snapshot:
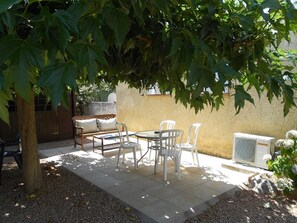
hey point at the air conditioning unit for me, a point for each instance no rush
(250, 149)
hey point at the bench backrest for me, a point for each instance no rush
(84, 117)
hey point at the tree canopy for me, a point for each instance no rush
(191, 48)
(186, 46)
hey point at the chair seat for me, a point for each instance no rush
(125, 143)
(130, 144)
(186, 146)
(191, 143)
(170, 141)
(11, 153)
(17, 155)
(165, 152)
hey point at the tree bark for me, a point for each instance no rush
(31, 165)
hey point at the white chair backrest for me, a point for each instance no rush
(122, 128)
(170, 141)
(167, 124)
(193, 134)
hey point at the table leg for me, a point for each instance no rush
(144, 153)
(156, 161)
(102, 146)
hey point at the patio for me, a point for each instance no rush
(195, 190)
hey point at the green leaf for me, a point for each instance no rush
(266, 16)
(5, 4)
(240, 97)
(271, 4)
(288, 99)
(247, 21)
(67, 20)
(2, 81)
(80, 8)
(200, 76)
(118, 21)
(58, 27)
(91, 25)
(253, 81)
(137, 6)
(55, 79)
(8, 47)
(259, 47)
(181, 54)
(161, 4)
(89, 56)
(274, 87)
(9, 21)
(4, 98)
(176, 47)
(23, 57)
(21, 77)
(224, 69)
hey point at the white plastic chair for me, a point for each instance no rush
(125, 143)
(191, 143)
(167, 124)
(164, 125)
(170, 144)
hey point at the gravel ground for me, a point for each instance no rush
(66, 197)
(249, 206)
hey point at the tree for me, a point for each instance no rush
(185, 46)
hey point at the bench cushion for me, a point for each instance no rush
(89, 125)
(108, 124)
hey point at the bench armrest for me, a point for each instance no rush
(79, 130)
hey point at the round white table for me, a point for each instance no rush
(150, 135)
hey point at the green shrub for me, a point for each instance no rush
(284, 164)
(91, 93)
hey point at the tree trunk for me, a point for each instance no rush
(31, 164)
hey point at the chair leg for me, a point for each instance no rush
(18, 159)
(179, 156)
(150, 153)
(177, 165)
(155, 167)
(156, 161)
(193, 159)
(196, 150)
(165, 168)
(148, 146)
(124, 153)
(134, 155)
(119, 153)
(175, 159)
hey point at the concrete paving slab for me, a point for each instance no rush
(183, 196)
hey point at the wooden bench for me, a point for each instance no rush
(88, 126)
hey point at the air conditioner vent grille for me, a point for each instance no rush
(245, 149)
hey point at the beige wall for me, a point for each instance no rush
(216, 133)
